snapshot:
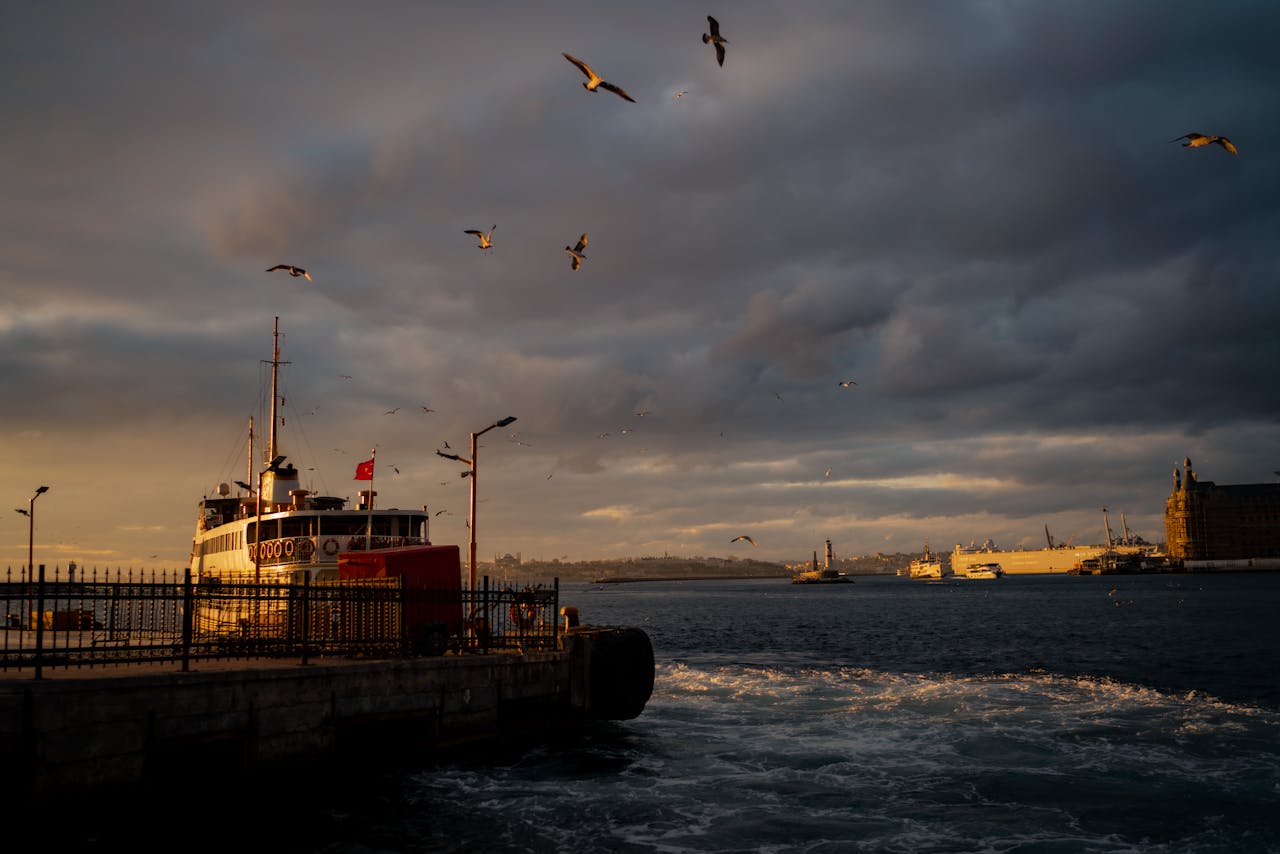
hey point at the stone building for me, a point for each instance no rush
(1232, 526)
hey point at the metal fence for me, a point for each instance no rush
(166, 617)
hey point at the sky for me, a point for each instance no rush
(972, 210)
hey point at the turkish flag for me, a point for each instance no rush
(364, 470)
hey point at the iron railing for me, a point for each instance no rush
(167, 617)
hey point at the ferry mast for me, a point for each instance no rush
(275, 382)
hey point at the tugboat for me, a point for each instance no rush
(273, 530)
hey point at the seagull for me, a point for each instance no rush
(344, 376)
(779, 397)
(828, 474)
(716, 39)
(743, 537)
(576, 251)
(1195, 140)
(427, 409)
(486, 239)
(292, 270)
(20, 510)
(438, 512)
(392, 411)
(846, 383)
(641, 413)
(680, 94)
(594, 81)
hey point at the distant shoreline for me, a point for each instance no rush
(631, 579)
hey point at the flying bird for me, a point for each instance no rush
(743, 537)
(595, 81)
(392, 411)
(427, 409)
(292, 270)
(21, 510)
(576, 252)
(486, 238)
(438, 512)
(846, 383)
(344, 376)
(680, 94)
(715, 38)
(1195, 140)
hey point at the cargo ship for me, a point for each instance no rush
(1059, 559)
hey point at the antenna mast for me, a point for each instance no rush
(249, 467)
(275, 382)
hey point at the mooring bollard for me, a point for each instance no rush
(570, 614)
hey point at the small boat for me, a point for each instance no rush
(928, 565)
(982, 570)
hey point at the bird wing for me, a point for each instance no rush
(1227, 144)
(582, 66)
(715, 26)
(582, 243)
(308, 275)
(476, 232)
(1188, 136)
(575, 263)
(719, 54)
(617, 90)
(278, 267)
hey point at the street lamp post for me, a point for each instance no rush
(31, 541)
(471, 472)
(31, 531)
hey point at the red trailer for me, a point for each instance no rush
(433, 586)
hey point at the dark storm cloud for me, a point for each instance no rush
(970, 208)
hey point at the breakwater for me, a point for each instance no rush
(92, 733)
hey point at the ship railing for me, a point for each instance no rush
(126, 618)
(305, 550)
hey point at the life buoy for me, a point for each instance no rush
(288, 548)
(305, 547)
(524, 610)
(277, 549)
(330, 547)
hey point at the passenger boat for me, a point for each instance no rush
(981, 570)
(929, 565)
(272, 529)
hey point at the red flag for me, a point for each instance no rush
(364, 470)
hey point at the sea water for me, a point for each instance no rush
(1021, 714)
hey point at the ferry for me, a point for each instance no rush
(929, 565)
(273, 530)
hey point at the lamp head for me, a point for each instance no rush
(274, 465)
(504, 422)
